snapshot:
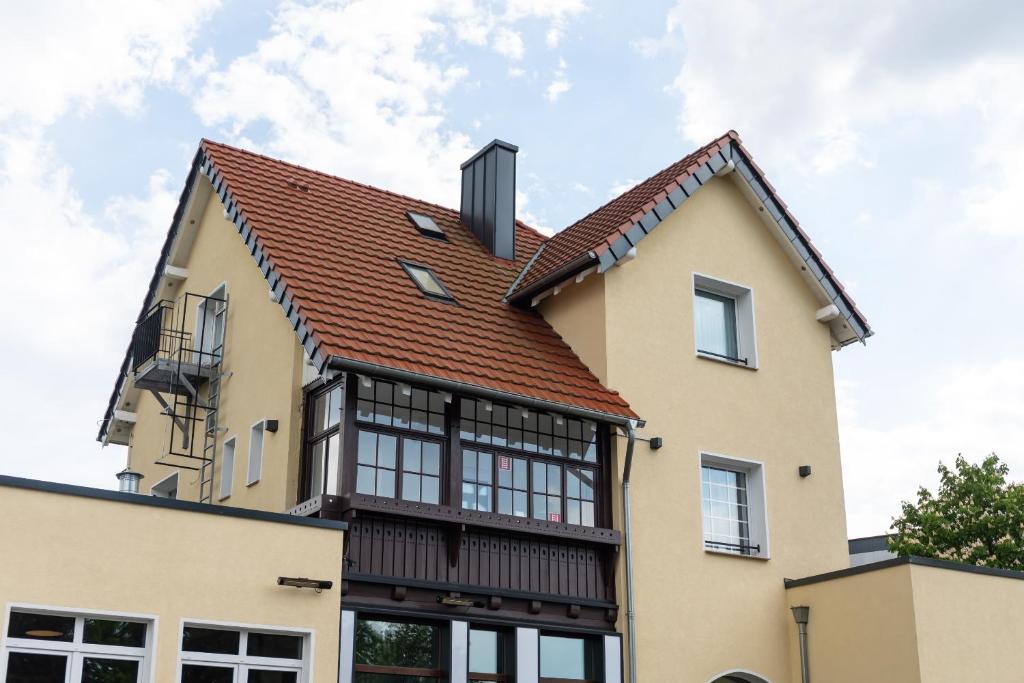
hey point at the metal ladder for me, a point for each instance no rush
(211, 428)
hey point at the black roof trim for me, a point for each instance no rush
(906, 559)
(183, 505)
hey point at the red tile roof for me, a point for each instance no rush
(596, 231)
(337, 246)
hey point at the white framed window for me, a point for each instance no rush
(229, 653)
(166, 487)
(73, 646)
(227, 468)
(210, 324)
(733, 511)
(723, 320)
(256, 433)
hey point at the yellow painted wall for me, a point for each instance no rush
(715, 612)
(82, 553)
(862, 628)
(969, 626)
(913, 624)
(265, 360)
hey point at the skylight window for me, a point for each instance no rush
(428, 283)
(426, 225)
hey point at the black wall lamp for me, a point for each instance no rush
(804, 470)
(271, 426)
(317, 585)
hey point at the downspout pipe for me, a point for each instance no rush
(802, 615)
(627, 523)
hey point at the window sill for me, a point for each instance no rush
(251, 483)
(713, 551)
(726, 361)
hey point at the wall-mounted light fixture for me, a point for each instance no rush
(804, 470)
(459, 601)
(271, 426)
(317, 585)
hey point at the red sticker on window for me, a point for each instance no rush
(555, 517)
(504, 462)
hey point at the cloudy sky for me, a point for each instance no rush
(894, 131)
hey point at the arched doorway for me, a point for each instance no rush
(738, 676)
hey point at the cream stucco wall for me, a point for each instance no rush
(82, 553)
(861, 628)
(715, 612)
(265, 362)
(913, 624)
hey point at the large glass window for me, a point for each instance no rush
(564, 658)
(716, 324)
(490, 655)
(215, 654)
(401, 406)
(382, 457)
(543, 465)
(324, 408)
(46, 647)
(397, 652)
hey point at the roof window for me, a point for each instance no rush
(428, 283)
(426, 225)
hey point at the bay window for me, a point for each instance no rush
(324, 409)
(544, 466)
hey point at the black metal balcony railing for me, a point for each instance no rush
(156, 336)
(165, 331)
(739, 548)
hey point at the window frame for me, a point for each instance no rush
(77, 650)
(409, 266)
(757, 503)
(742, 297)
(241, 663)
(260, 427)
(506, 653)
(233, 441)
(598, 466)
(311, 438)
(400, 434)
(439, 674)
(593, 652)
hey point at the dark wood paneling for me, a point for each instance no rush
(417, 549)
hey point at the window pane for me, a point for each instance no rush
(410, 486)
(563, 658)
(430, 490)
(387, 446)
(366, 482)
(431, 458)
(333, 457)
(484, 654)
(41, 627)
(29, 668)
(268, 676)
(198, 673)
(484, 468)
(468, 496)
(411, 449)
(274, 645)
(391, 643)
(484, 499)
(469, 461)
(367, 447)
(386, 483)
(316, 475)
(97, 670)
(213, 640)
(716, 323)
(123, 633)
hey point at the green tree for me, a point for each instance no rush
(977, 517)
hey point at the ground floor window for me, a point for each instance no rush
(732, 506)
(491, 653)
(45, 646)
(569, 658)
(398, 652)
(222, 654)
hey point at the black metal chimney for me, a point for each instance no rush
(489, 197)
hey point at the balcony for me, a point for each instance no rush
(175, 348)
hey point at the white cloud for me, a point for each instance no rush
(78, 280)
(806, 80)
(580, 187)
(516, 72)
(560, 83)
(972, 409)
(508, 43)
(64, 54)
(361, 92)
(553, 37)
